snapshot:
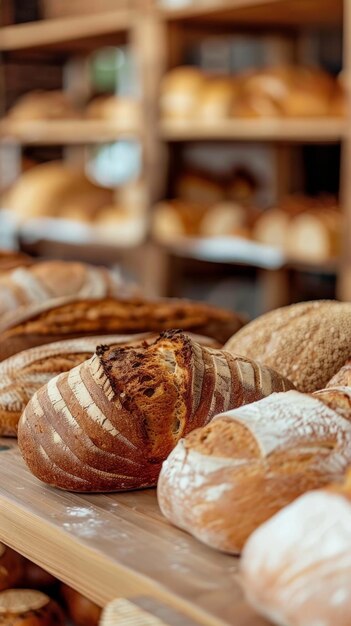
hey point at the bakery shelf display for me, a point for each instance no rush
(65, 132)
(117, 545)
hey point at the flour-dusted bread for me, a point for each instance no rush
(296, 568)
(224, 480)
(67, 318)
(11, 568)
(55, 279)
(27, 607)
(306, 342)
(24, 373)
(109, 423)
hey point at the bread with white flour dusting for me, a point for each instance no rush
(224, 480)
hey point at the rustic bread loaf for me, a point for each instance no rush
(10, 259)
(54, 279)
(43, 105)
(306, 342)
(24, 373)
(82, 612)
(27, 607)
(109, 423)
(226, 479)
(296, 568)
(68, 318)
(11, 568)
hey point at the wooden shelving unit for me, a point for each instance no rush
(313, 130)
(118, 545)
(66, 132)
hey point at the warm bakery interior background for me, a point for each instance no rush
(227, 179)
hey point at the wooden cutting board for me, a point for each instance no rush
(117, 546)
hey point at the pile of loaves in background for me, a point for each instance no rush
(30, 596)
(55, 190)
(188, 94)
(249, 443)
(304, 229)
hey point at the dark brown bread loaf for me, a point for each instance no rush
(82, 612)
(11, 568)
(24, 373)
(109, 423)
(68, 318)
(224, 480)
(306, 342)
(27, 607)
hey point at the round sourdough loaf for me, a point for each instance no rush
(296, 568)
(306, 342)
(224, 480)
(11, 567)
(27, 607)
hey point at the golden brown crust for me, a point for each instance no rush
(109, 423)
(83, 612)
(306, 342)
(342, 378)
(24, 607)
(69, 318)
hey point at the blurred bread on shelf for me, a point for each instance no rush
(315, 236)
(272, 227)
(215, 99)
(118, 225)
(199, 187)
(180, 93)
(114, 109)
(43, 105)
(174, 219)
(224, 218)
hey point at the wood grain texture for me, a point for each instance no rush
(109, 546)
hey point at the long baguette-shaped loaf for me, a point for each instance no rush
(224, 480)
(109, 423)
(55, 279)
(68, 318)
(24, 373)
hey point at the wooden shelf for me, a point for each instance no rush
(59, 33)
(265, 12)
(117, 545)
(63, 132)
(323, 130)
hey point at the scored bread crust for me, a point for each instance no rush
(306, 342)
(224, 480)
(109, 423)
(68, 318)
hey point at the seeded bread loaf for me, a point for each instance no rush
(224, 480)
(55, 279)
(306, 342)
(109, 423)
(68, 318)
(27, 607)
(296, 568)
(24, 373)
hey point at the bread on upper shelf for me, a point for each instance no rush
(43, 105)
(307, 342)
(28, 607)
(134, 403)
(224, 480)
(113, 108)
(296, 568)
(48, 280)
(24, 373)
(179, 93)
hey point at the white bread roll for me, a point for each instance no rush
(180, 93)
(224, 480)
(223, 219)
(118, 226)
(216, 100)
(43, 105)
(315, 237)
(272, 228)
(296, 568)
(167, 223)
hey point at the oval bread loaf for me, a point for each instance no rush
(296, 568)
(109, 423)
(306, 342)
(68, 318)
(222, 481)
(24, 373)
